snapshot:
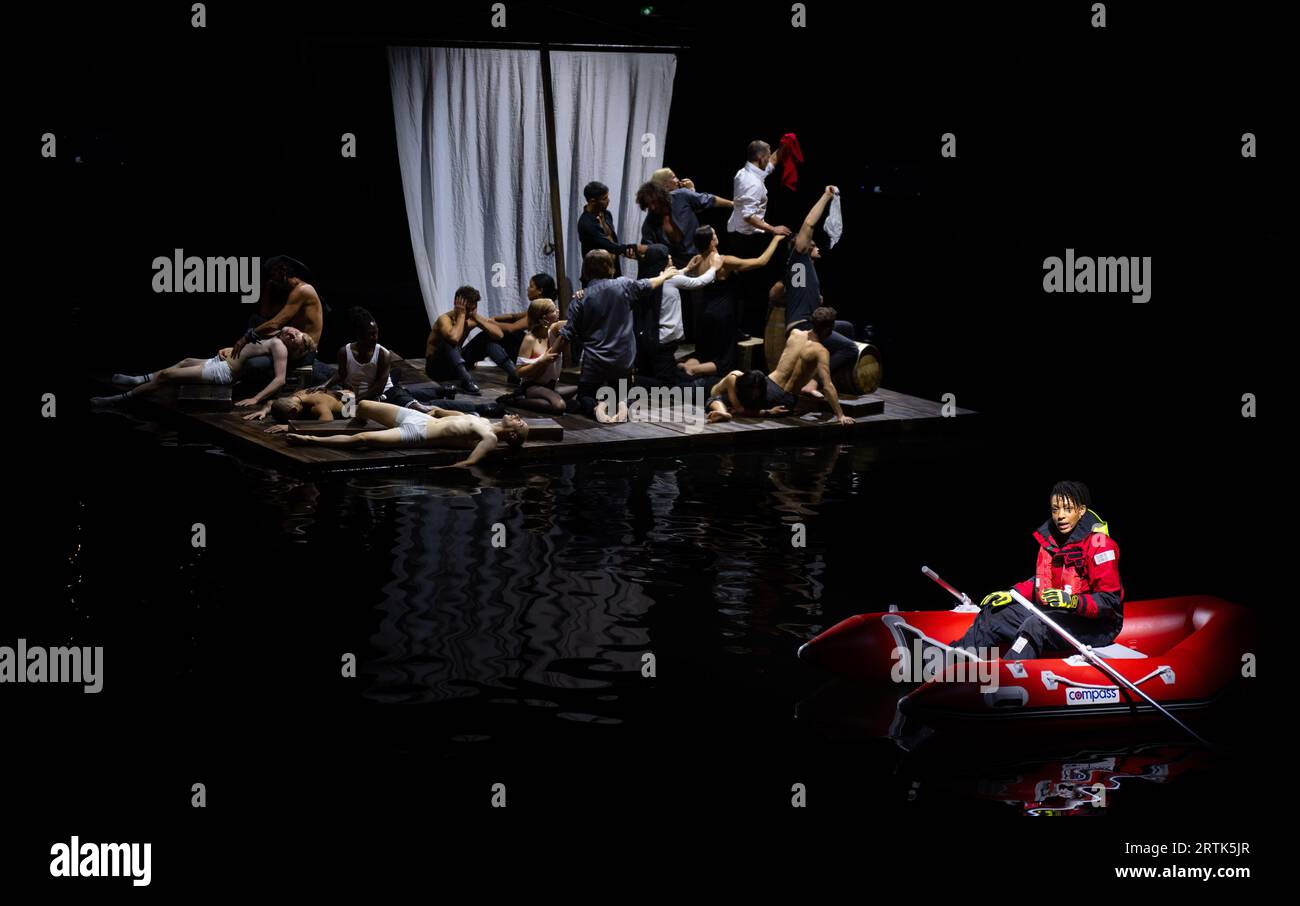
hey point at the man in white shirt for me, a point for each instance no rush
(749, 197)
(659, 325)
(748, 233)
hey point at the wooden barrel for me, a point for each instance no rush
(774, 335)
(862, 375)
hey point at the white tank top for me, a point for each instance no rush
(360, 377)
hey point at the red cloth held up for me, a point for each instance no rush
(790, 161)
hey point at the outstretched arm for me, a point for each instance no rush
(803, 241)
(481, 449)
(749, 264)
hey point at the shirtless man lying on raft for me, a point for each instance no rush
(803, 368)
(405, 427)
(322, 405)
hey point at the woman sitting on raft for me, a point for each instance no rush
(288, 344)
(538, 365)
(715, 347)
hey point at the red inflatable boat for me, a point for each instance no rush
(1183, 652)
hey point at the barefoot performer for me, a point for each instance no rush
(406, 427)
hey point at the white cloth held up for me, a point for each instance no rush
(834, 221)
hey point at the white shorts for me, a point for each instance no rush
(216, 370)
(413, 426)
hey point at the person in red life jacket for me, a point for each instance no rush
(1076, 582)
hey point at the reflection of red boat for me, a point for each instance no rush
(1183, 652)
(1083, 784)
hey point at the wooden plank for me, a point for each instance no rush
(861, 406)
(205, 397)
(544, 429)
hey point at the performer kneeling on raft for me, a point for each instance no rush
(440, 428)
(1076, 582)
(804, 366)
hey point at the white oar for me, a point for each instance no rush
(1100, 663)
(960, 596)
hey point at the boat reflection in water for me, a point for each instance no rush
(1038, 771)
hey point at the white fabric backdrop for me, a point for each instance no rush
(604, 104)
(471, 142)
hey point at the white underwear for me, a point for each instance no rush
(413, 426)
(216, 370)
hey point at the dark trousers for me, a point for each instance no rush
(401, 396)
(999, 627)
(258, 370)
(449, 363)
(751, 286)
(590, 383)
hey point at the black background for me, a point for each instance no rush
(225, 140)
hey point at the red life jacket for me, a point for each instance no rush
(1086, 564)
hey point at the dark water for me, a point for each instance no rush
(524, 662)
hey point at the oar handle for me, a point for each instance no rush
(960, 596)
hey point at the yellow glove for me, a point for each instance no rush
(996, 599)
(1055, 597)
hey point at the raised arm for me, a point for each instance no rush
(803, 241)
(490, 327)
(450, 326)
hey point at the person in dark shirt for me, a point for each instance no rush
(596, 228)
(600, 317)
(672, 218)
(800, 288)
